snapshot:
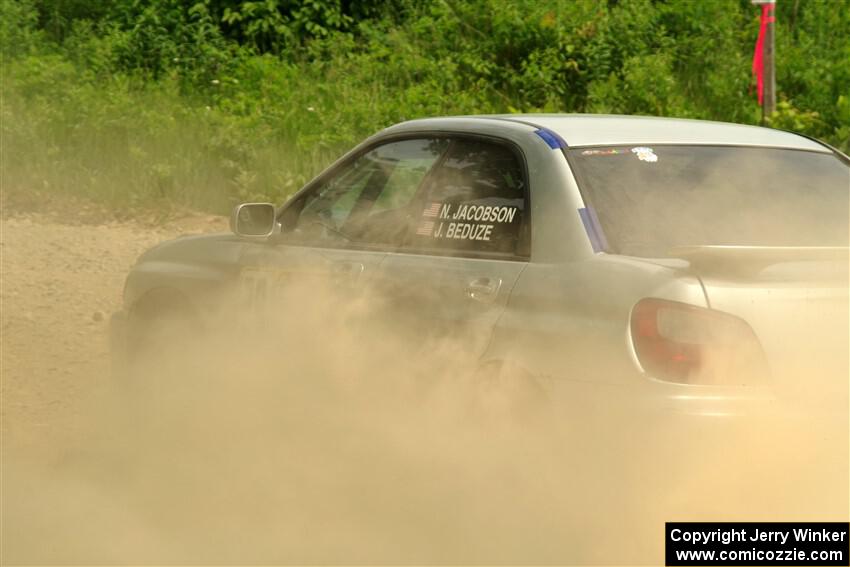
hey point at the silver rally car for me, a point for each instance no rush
(696, 266)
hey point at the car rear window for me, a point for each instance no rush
(649, 199)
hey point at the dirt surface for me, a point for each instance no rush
(297, 450)
(61, 281)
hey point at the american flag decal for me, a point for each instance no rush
(425, 229)
(432, 211)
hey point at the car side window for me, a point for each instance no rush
(369, 200)
(473, 202)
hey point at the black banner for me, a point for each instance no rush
(757, 543)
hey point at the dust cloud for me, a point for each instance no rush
(315, 433)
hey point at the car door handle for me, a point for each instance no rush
(483, 289)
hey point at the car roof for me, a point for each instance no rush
(610, 130)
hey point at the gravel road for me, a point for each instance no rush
(295, 456)
(61, 281)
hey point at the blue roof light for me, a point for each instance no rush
(551, 138)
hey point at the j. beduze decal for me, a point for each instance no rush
(483, 218)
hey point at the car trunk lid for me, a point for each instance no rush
(796, 301)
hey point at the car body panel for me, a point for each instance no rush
(196, 267)
(800, 312)
(447, 298)
(271, 273)
(568, 323)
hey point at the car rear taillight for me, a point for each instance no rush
(682, 343)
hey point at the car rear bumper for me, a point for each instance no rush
(647, 400)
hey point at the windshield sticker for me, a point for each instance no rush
(426, 228)
(475, 215)
(611, 152)
(432, 211)
(645, 154)
(484, 213)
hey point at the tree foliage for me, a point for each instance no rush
(274, 88)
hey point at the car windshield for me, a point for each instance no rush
(651, 198)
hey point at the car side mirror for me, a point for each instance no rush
(253, 219)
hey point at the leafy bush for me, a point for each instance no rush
(18, 33)
(202, 104)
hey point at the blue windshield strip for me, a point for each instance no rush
(597, 227)
(594, 231)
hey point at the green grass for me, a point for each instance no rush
(128, 116)
(115, 143)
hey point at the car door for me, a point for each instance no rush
(467, 243)
(336, 232)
